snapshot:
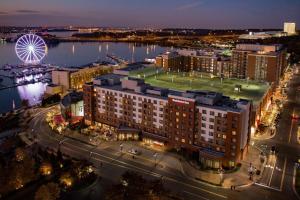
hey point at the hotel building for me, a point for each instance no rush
(208, 125)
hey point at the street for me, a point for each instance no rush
(278, 172)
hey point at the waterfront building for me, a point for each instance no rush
(208, 125)
(65, 79)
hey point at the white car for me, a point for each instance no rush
(133, 151)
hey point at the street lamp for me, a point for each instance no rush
(155, 158)
(221, 171)
(121, 148)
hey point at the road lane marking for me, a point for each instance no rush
(272, 171)
(283, 174)
(272, 188)
(195, 195)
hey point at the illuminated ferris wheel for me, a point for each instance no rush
(31, 49)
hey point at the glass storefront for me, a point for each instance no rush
(151, 142)
(215, 164)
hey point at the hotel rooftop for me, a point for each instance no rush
(137, 86)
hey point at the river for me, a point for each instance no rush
(67, 55)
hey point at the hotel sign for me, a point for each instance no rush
(180, 101)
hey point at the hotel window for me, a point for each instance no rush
(203, 111)
(177, 120)
(204, 118)
(211, 112)
(211, 134)
(211, 127)
(234, 125)
(203, 125)
(177, 113)
(184, 115)
(211, 119)
(233, 132)
(224, 136)
(183, 140)
(233, 140)
(134, 97)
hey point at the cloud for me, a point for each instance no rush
(27, 11)
(190, 5)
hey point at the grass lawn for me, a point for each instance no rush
(184, 81)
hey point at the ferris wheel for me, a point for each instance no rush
(31, 49)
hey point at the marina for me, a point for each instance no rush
(20, 81)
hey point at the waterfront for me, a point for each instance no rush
(67, 55)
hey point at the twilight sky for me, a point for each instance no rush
(151, 13)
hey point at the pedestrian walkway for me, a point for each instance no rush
(239, 178)
(264, 136)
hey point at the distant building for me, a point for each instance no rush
(289, 28)
(73, 78)
(262, 35)
(206, 124)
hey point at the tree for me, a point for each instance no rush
(50, 191)
(20, 154)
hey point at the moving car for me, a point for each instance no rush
(134, 151)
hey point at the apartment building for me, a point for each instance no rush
(192, 60)
(206, 124)
(259, 62)
(256, 62)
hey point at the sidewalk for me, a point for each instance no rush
(265, 136)
(240, 178)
